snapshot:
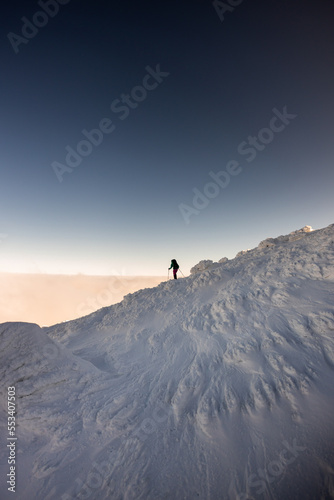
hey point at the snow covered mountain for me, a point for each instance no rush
(215, 386)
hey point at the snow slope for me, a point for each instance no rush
(215, 386)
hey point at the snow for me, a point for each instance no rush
(201, 266)
(214, 386)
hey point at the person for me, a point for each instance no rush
(175, 267)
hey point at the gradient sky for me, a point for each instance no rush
(118, 212)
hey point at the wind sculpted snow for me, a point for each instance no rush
(215, 386)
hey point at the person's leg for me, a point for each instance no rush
(174, 273)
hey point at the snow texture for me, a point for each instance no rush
(201, 266)
(215, 386)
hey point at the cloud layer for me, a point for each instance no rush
(50, 299)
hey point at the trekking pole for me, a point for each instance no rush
(181, 273)
(168, 273)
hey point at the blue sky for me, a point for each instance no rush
(118, 211)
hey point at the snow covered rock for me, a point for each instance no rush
(268, 243)
(294, 236)
(201, 266)
(242, 252)
(305, 229)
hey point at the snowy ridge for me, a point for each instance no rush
(267, 243)
(189, 389)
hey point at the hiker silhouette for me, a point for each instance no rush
(175, 267)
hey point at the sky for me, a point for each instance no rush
(137, 132)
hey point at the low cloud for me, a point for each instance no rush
(50, 299)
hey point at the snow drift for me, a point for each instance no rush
(215, 386)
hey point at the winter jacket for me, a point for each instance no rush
(174, 264)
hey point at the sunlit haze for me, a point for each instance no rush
(51, 299)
